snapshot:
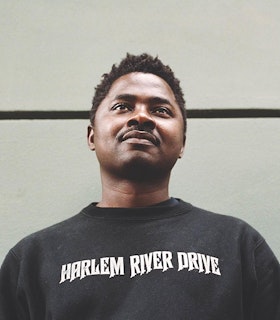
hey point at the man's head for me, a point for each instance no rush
(138, 120)
(138, 63)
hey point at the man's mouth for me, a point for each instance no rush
(136, 135)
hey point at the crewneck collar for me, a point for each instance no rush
(165, 209)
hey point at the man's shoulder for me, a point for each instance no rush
(54, 233)
(226, 224)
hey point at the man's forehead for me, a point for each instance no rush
(140, 83)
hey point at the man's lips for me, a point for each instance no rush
(140, 135)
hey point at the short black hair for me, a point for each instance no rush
(138, 63)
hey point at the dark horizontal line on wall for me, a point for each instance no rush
(43, 115)
(192, 113)
(234, 113)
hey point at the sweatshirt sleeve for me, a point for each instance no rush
(267, 269)
(10, 300)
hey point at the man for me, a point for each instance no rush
(139, 253)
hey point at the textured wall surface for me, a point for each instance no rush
(52, 55)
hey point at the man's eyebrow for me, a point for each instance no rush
(152, 100)
(159, 100)
(126, 96)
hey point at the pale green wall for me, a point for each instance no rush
(52, 55)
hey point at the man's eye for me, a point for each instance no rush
(162, 111)
(122, 107)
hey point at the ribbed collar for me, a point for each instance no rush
(169, 208)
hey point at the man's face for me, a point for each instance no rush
(138, 127)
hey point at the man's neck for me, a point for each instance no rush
(131, 194)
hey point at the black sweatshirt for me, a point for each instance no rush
(171, 261)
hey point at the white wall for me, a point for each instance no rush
(226, 54)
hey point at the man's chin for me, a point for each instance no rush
(142, 169)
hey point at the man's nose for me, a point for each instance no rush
(143, 118)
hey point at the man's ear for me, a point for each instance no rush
(182, 148)
(181, 152)
(90, 137)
